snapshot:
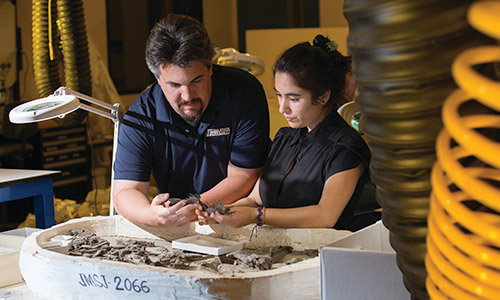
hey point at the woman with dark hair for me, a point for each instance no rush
(317, 167)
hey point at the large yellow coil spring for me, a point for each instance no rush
(463, 241)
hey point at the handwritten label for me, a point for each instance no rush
(118, 283)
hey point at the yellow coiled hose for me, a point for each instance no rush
(463, 241)
(62, 23)
(402, 53)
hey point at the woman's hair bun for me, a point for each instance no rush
(321, 41)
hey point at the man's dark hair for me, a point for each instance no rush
(178, 39)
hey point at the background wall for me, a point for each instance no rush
(331, 14)
(221, 20)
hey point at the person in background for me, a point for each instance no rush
(350, 89)
(316, 168)
(200, 129)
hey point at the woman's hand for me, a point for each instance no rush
(238, 216)
(203, 217)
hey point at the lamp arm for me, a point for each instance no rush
(116, 113)
(67, 91)
(97, 111)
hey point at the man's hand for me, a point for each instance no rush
(175, 215)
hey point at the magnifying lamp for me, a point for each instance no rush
(64, 101)
(232, 57)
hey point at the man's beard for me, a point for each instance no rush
(192, 117)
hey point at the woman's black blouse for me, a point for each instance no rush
(331, 147)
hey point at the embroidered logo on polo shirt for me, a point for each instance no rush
(218, 132)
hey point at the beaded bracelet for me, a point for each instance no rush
(259, 220)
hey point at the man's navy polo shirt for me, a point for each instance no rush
(185, 159)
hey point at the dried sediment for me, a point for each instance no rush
(159, 253)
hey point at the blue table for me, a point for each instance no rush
(20, 183)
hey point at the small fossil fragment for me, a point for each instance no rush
(190, 199)
(218, 207)
(195, 198)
